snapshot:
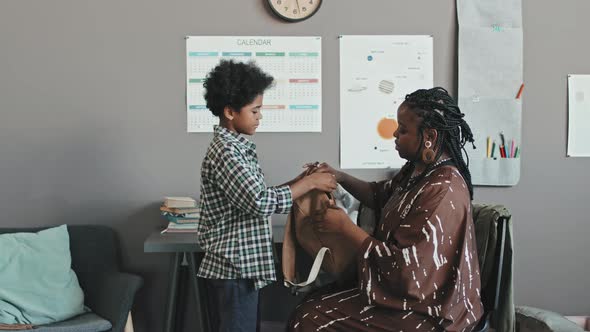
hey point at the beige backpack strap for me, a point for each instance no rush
(289, 252)
(305, 206)
(313, 273)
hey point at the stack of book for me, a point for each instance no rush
(181, 213)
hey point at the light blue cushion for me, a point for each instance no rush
(38, 283)
(84, 323)
(88, 322)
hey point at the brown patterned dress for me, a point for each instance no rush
(419, 272)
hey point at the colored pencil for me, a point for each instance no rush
(493, 148)
(520, 91)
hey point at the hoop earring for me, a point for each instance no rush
(428, 153)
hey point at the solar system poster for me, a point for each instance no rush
(376, 73)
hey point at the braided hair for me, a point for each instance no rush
(438, 110)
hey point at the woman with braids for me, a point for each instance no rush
(419, 270)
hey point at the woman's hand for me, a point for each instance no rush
(326, 168)
(330, 219)
(306, 182)
(308, 169)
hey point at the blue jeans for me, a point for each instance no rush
(232, 304)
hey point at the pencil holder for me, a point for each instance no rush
(495, 171)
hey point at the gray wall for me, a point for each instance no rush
(92, 122)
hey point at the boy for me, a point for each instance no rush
(236, 203)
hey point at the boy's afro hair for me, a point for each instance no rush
(234, 84)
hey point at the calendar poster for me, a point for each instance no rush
(376, 73)
(292, 104)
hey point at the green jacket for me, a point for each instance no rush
(486, 219)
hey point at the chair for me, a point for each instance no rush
(495, 259)
(494, 247)
(107, 291)
(530, 319)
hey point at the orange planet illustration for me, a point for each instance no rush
(386, 127)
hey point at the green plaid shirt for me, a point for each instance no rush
(235, 209)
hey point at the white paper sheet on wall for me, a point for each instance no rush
(578, 133)
(490, 87)
(376, 73)
(292, 104)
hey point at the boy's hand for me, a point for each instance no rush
(308, 169)
(322, 181)
(311, 167)
(300, 176)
